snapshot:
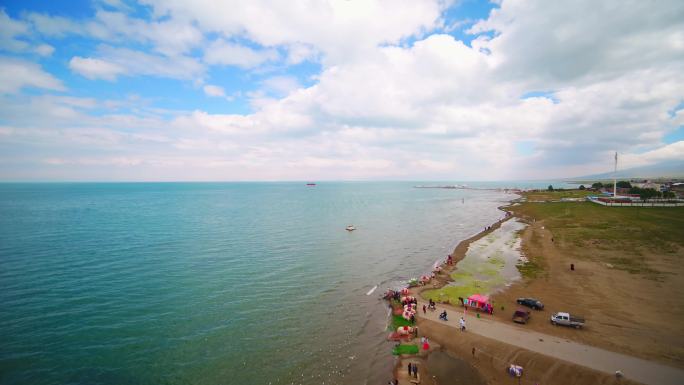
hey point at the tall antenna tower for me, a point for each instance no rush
(615, 178)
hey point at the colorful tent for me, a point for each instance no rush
(477, 300)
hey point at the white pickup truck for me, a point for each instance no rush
(566, 319)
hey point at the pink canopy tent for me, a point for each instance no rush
(478, 300)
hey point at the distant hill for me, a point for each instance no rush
(671, 169)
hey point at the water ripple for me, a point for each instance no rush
(197, 283)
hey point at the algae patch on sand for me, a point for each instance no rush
(398, 321)
(405, 349)
(449, 294)
(489, 264)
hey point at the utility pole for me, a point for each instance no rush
(615, 178)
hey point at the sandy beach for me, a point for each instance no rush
(629, 312)
(638, 335)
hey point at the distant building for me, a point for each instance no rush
(620, 191)
(649, 184)
(678, 188)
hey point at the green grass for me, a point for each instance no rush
(488, 272)
(452, 293)
(545, 195)
(405, 349)
(586, 230)
(398, 321)
(461, 276)
(497, 261)
(531, 269)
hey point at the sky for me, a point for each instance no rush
(208, 90)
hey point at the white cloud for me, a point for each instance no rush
(116, 4)
(221, 52)
(10, 31)
(16, 74)
(434, 108)
(112, 62)
(55, 26)
(17, 36)
(215, 91)
(281, 85)
(555, 43)
(169, 37)
(670, 152)
(341, 29)
(45, 50)
(297, 53)
(95, 68)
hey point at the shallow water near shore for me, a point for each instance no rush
(206, 283)
(489, 265)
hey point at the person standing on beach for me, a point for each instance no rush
(409, 369)
(424, 309)
(462, 323)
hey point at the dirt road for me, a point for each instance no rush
(636, 369)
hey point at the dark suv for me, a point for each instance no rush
(531, 302)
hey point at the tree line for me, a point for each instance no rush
(644, 193)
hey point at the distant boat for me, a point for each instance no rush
(311, 184)
(350, 228)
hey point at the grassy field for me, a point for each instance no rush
(470, 278)
(621, 236)
(405, 349)
(545, 195)
(398, 321)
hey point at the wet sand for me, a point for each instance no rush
(492, 357)
(625, 312)
(564, 350)
(446, 369)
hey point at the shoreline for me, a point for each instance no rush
(444, 277)
(491, 356)
(440, 280)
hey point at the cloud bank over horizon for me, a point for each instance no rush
(338, 90)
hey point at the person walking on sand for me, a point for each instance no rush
(409, 369)
(424, 309)
(462, 323)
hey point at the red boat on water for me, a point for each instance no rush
(311, 184)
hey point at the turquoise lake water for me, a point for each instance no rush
(214, 283)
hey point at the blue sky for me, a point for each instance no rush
(463, 90)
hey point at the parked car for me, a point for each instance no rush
(566, 319)
(521, 316)
(531, 302)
